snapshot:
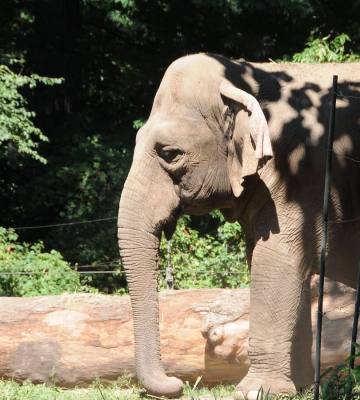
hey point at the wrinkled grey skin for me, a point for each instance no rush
(205, 147)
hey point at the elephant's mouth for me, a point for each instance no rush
(199, 208)
(170, 224)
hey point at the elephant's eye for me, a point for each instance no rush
(171, 155)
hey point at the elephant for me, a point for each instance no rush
(248, 139)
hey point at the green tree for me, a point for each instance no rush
(18, 133)
(112, 54)
(206, 260)
(320, 50)
(27, 270)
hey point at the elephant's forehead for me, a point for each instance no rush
(189, 88)
(178, 127)
(182, 130)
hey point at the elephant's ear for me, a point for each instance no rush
(243, 162)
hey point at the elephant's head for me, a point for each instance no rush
(203, 136)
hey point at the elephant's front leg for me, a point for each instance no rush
(280, 321)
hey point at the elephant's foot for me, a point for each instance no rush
(251, 387)
(162, 385)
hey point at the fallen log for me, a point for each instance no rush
(70, 340)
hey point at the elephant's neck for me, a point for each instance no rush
(245, 208)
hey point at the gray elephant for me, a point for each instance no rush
(248, 139)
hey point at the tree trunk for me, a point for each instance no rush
(73, 339)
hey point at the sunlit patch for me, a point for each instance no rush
(310, 117)
(311, 122)
(295, 157)
(336, 205)
(342, 146)
(287, 112)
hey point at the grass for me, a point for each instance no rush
(124, 389)
(10, 390)
(121, 390)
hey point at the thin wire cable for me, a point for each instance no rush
(347, 157)
(196, 271)
(113, 263)
(343, 221)
(90, 221)
(79, 272)
(340, 95)
(119, 272)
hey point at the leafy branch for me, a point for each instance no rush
(18, 132)
(321, 50)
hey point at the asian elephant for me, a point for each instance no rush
(248, 139)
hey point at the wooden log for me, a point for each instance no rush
(73, 339)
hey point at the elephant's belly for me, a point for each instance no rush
(343, 259)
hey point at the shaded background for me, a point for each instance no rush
(111, 55)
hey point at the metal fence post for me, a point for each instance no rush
(355, 323)
(169, 277)
(324, 236)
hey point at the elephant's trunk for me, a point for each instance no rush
(142, 215)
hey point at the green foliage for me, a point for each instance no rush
(90, 188)
(199, 261)
(320, 50)
(120, 13)
(17, 130)
(341, 382)
(124, 389)
(26, 270)
(197, 391)
(112, 55)
(11, 390)
(138, 123)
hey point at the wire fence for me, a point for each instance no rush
(170, 268)
(324, 241)
(70, 223)
(162, 270)
(168, 272)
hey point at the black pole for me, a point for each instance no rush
(169, 269)
(324, 236)
(355, 323)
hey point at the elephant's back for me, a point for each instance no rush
(296, 99)
(313, 74)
